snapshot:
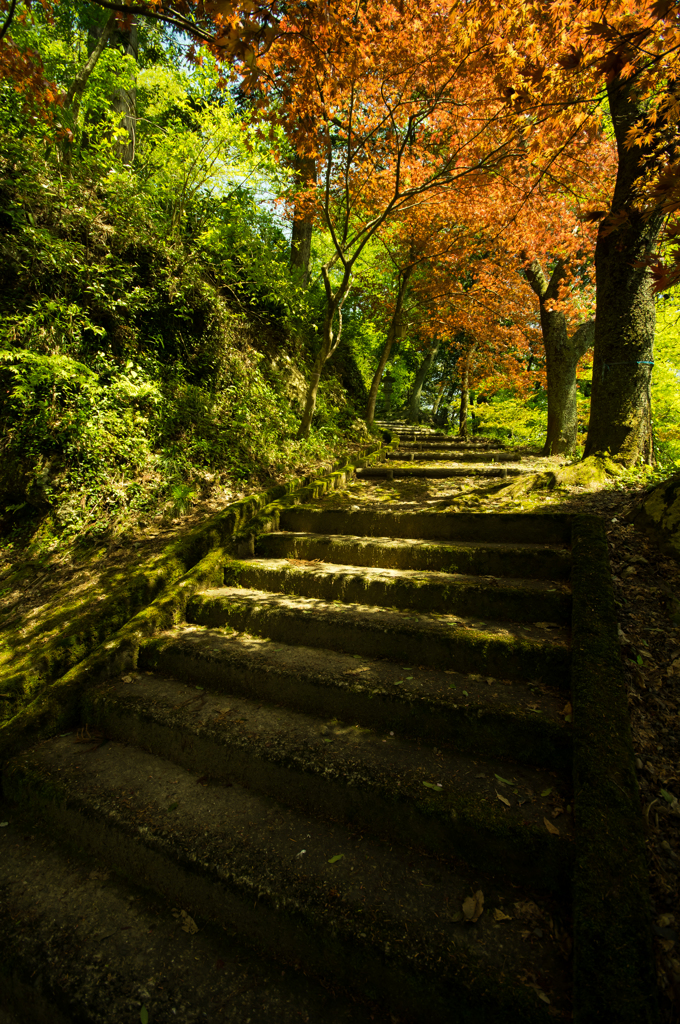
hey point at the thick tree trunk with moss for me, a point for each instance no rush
(301, 237)
(393, 333)
(620, 418)
(562, 354)
(419, 382)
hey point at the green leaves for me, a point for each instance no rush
(334, 860)
(431, 785)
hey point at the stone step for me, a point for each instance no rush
(441, 472)
(454, 444)
(377, 783)
(476, 527)
(535, 561)
(452, 455)
(519, 600)
(472, 715)
(353, 911)
(78, 943)
(517, 651)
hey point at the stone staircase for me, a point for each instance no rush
(341, 790)
(479, 458)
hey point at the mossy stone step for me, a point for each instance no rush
(380, 783)
(451, 455)
(424, 591)
(529, 561)
(386, 925)
(471, 715)
(442, 472)
(445, 642)
(477, 527)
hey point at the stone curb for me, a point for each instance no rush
(614, 966)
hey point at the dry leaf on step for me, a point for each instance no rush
(498, 915)
(473, 907)
(503, 799)
(552, 829)
(188, 924)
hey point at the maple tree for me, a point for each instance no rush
(403, 110)
(574, 64)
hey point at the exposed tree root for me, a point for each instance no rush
(591, 475)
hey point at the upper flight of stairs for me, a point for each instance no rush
(346, 776)
(420, 450)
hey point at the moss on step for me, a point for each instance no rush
(384, 634)
(423, 592)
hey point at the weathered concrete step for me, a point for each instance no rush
(442, 472)
(473, 715)
(438, 641)
(371, 919)
(452, 455)
(517, 600)
(377, 783)
(78, 943)
(452, 443)
(478, 527)
(529, 561)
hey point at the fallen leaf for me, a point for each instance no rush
(498, 915)
(473, 907)
(551, 828)
(431, 785)
(334, 860)
(566, 710)
(503, 799)
(505, 781)
(540, 993)
(546, 792)
(188, 924)
(144, 1015)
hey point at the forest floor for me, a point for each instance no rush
(33, 584)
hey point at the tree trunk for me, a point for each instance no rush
(562, 354)
(437, 401)
(620, 421)
(124, 101)
(464, 400)
(421, 377)
(329, 342)
(301, 237)
(75, 93)
(393, 332)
